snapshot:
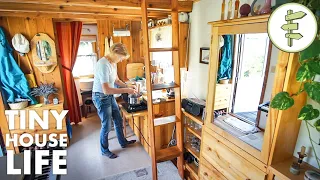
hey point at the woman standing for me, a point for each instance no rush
(102, 95)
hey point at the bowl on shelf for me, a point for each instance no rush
(18, 105)
(223, 81)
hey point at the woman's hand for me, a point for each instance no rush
(131, 91)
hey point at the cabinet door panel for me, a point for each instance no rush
(229, 163)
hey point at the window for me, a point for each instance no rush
(250, 74)
(86, 60)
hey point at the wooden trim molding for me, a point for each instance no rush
(162, 5)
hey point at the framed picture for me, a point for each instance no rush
(204, 55)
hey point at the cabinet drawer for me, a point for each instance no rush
(221, 101)
(223, 90)
(229, 163)
(208, 172)
(39, 111)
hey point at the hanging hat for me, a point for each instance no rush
(20, 43)
(221, 41)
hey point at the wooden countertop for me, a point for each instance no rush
(282, 169)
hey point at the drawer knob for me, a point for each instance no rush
(205, 174)
(209, 149)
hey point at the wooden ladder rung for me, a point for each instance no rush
(167, 154)
(162, 49)
(164, 86)
(164, 120)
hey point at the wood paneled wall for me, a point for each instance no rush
(105, 29)
(29, 27)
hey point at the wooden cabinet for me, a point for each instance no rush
(227, 162)
(138, 122)
(38, 129)
(222, 98)
(225, 152)
(209, 172)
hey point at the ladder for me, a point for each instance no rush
(173, 152)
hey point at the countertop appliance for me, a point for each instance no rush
(130, 108)
(193, 106)
(134, 108)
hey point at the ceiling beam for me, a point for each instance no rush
(50, 8)
(66, 16)
(165, 5)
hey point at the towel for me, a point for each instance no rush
(106, 48)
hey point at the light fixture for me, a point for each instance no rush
(121, 32)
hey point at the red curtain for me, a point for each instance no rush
(69, 34)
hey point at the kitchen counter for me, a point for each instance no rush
(138, 121)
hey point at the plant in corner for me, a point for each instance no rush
(44, 90)
(309, 68)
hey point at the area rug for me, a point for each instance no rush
(166, 171)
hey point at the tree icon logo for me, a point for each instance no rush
(292, 27)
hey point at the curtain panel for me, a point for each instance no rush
(69, 35)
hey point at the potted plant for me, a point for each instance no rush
(309, 69)
(44, 90)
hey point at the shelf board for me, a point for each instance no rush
(197, 133)
(162, 49)
(159, 26)
(239, 21)
(167, 153)
(164, 86)
(192, 151)
(193, 169)
(282, 169)
(164, 120)
(193, 118)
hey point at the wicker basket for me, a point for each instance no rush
(18, 105)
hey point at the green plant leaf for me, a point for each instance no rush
(314, 65)
(282, 101)
(308, 113)
(312, 51)
(304, 73)
(314, 4)
(317, 125)
(313, 90)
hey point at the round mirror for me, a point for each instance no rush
(43, 50)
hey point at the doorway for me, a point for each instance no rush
(250, 77)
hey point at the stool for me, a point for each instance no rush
(87, 103)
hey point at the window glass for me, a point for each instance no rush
(86, 60)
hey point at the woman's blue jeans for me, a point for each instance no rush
(108, 109)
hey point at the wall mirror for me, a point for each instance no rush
(44, 53)
(244, 86)
(43, 50)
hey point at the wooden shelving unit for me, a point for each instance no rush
(197, 133)
(196, 119)
(164, 86)
(192, 151)
(192, 168)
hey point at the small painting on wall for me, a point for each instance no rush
(204, 55)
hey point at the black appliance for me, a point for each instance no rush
(193, 106)
(134, 108)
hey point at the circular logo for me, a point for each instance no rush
(292, 27)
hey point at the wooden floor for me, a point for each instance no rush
(84, 160)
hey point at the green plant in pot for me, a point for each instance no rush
(44, 90)
(309, 77)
